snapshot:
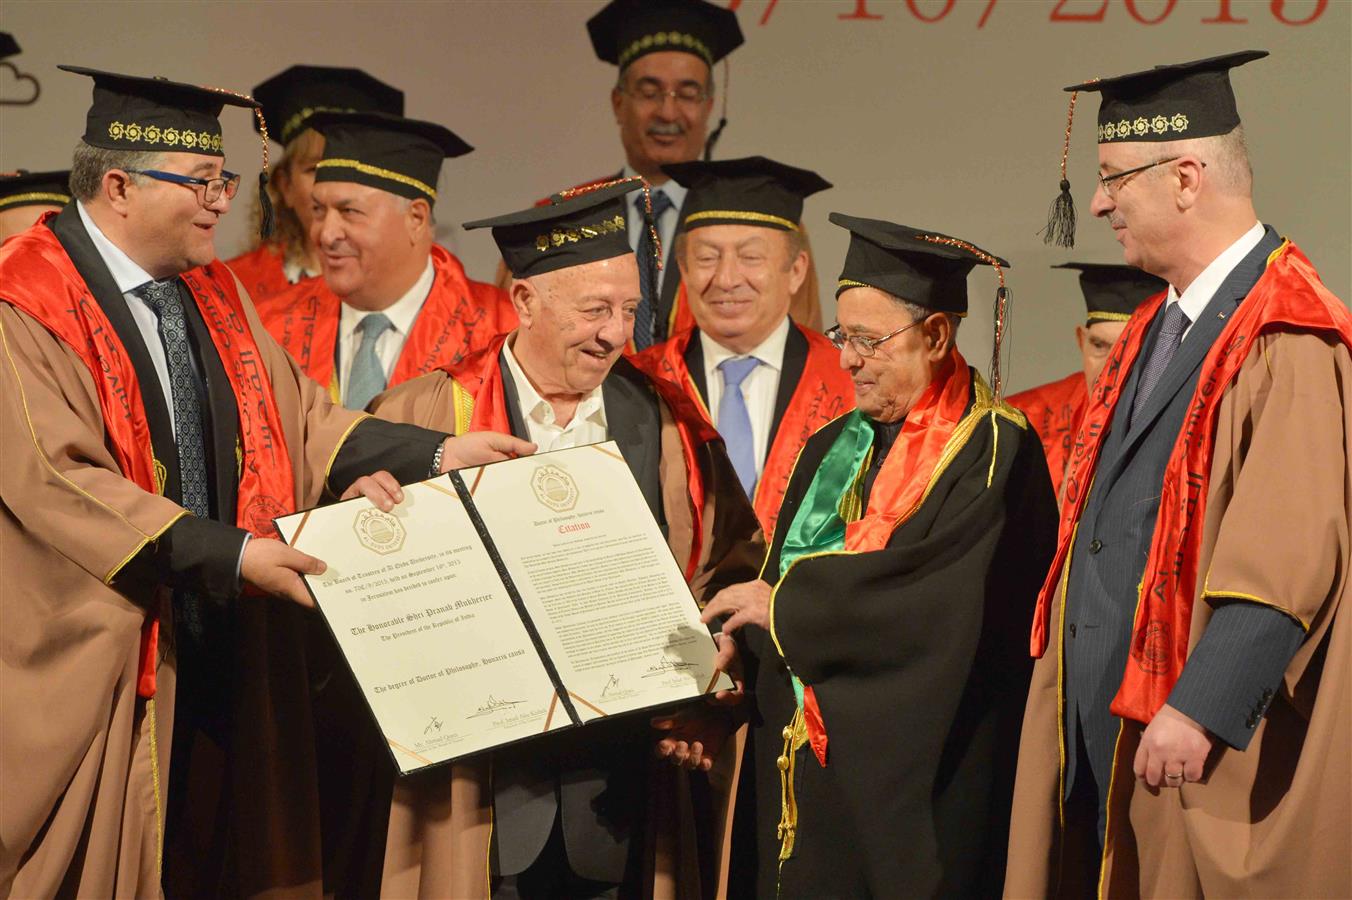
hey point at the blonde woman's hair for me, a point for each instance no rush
(289, 234)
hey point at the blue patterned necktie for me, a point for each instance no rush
(734, 421)
(166, 300)
(366, 378)
(1166, 344)
(645, 317)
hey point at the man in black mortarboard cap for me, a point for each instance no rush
(891, 608)
(665, 51)
(742, 255)
(1179, 737)
(156, 431)
(576, 815)
(392, 303)
(25, 196)
(1111, 295)
(289, 99)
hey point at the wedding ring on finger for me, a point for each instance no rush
(1173, 778)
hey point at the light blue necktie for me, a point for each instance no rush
(366, 378)
(734, 422)
(646, 332)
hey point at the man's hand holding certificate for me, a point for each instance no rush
(500, 602)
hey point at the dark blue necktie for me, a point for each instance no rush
(645, 317)
(164, 298)
(1166, 344)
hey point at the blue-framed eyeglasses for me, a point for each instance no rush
(226, 183)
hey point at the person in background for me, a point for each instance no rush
(289, 99)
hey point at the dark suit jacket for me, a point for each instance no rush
(594, 778)
(1245, 648)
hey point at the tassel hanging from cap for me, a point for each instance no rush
(722, 115)
(266, 218)
(1060, 228)
(653, 265)
(1001, 312)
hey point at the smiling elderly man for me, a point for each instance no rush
(392, 303)
(572, 817)
(912, 539)
(1187, 733)
(152, 429)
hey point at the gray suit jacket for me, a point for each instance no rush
(1232, 673)
(593, 777)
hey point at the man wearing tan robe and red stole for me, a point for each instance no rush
(1055, 410)
(152, 430)
(891, 675)
(765, 382)
(595, 814)
(392, 304)
(1188, 724)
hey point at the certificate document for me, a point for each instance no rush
(499, 603)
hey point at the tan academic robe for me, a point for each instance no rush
(84, 762)
(438, 841)
(1273, 820)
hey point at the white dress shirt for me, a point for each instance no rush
(402, 314)
(1194, 300)
(588, 425)
(666, 223)
(295, 271)
(128, 276)
(759, 389)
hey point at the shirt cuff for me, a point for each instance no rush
(239, 564)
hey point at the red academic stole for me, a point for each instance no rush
(479, 376)
(41, 280)
(1055, 410)
(459, 317)
(1289, 296)
(824, 391)
(261, 272)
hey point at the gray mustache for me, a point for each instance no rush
(667, 128)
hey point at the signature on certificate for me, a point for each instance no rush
(434, 724)
(612, 685)
(667, 664)
(492, 705)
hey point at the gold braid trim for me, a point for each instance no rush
(795, 736)
(155, 783)
(378, 172)
(154, 135)
(666, 40)
(1109, 316)
(34, 198)
(764, 218)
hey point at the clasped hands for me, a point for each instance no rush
(276, 568)
(693, 738)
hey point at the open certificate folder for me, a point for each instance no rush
(502, 602)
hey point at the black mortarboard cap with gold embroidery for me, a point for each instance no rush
(290, 98)
(568, 231)
(924, 267)
(1176, 102)
(131, 112)
(627, 29)
(24, 188)
(750, 191)
(402, 156)
(1112, 292)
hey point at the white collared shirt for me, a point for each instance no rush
(666, 223)
(294, 272)
(402, 314)
(588, 425)
(128, 276)
(1195, 299)
(759, 389)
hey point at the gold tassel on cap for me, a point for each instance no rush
(1002, 297)
(654, 265)
(266, 218)
(1060, 228)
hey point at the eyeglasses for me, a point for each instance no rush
(212, 188)
(688, 94)
(1111, 184)
(865, 347)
